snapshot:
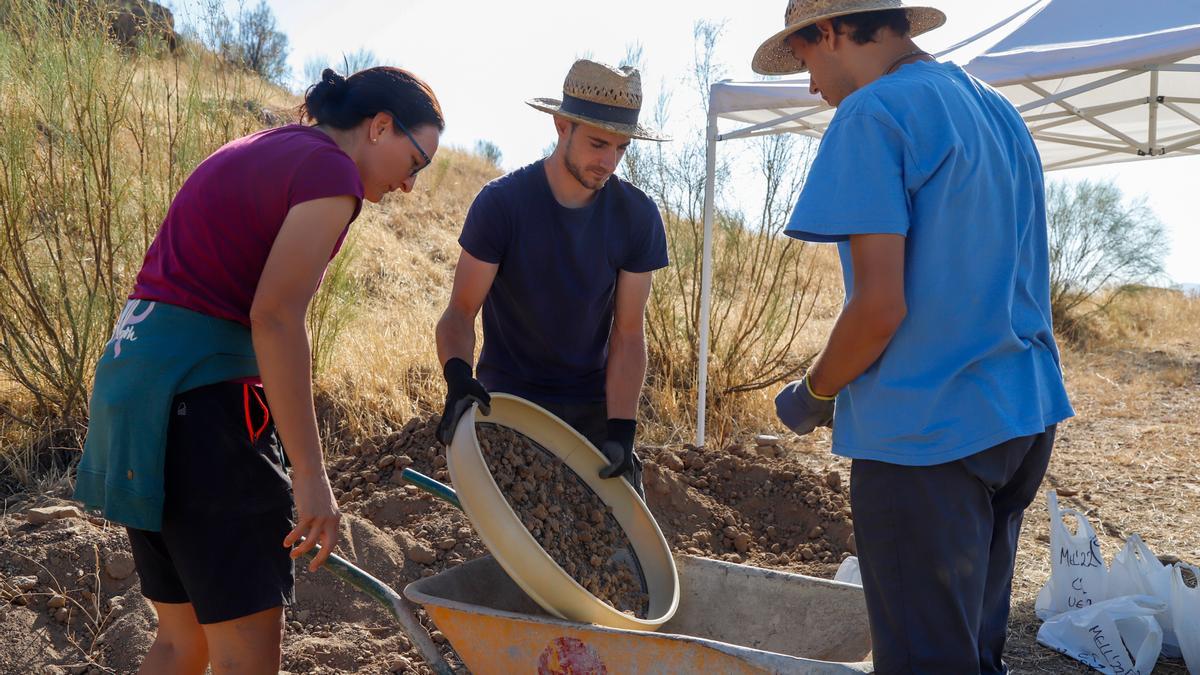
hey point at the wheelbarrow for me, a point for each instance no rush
(730, 619)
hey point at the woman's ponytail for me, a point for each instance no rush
(343, 102)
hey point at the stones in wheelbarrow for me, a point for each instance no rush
(568, 520)
(517, 550)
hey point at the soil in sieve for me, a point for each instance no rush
(570, 522)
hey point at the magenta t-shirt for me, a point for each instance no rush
(212, 246)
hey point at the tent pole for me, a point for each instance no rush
(1152, 135)
(710, 178)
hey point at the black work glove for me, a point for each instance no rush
(802, 410)
(462, 389)
(618, 448)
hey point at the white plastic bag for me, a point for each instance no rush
(1078, 575)
(1117, 637)
(1185, 613)
(1135, 570)
(848, 572)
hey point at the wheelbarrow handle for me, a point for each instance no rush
(401, 608)
(433, 487)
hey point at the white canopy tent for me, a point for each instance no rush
(1097, 81)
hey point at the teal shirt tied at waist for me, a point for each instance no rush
(157, 351)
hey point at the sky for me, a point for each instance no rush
(484, 59)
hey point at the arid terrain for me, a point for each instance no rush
(69, 596)
(1128, 460)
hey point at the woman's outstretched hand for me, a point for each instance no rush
(317, 518)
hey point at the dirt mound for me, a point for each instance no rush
(740, 503)
(68, 594)
(750, 506)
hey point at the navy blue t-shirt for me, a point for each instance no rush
(547, 317)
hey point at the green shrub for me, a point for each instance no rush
(94, 142)
(1100, 247)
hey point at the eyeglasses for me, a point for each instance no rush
(424, 155)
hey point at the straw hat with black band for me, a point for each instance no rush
(774, 57)
(601, 96)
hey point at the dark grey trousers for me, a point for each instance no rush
(936, 547)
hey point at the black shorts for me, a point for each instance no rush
(227, 509)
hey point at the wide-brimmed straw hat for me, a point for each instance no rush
(601, 96)
(775, 58)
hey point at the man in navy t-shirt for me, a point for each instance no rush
(941, 377)
(559, 255)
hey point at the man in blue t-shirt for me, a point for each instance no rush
(941, 378)
(559, 256)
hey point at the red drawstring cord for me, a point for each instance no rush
(254, 434)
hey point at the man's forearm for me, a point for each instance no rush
(626, 371)
(455, 337)
(858, 339)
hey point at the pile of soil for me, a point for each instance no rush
(756, 506)
(570, 521)
(750, 504)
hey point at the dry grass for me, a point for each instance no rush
(1154, 318)
(36, 451)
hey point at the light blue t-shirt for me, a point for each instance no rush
(939, 157)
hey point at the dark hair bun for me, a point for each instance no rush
(343, 102)
(329, 76)
(321, 100)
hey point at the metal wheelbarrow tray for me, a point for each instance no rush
(731, 619)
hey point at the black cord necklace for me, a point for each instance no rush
(915, 52)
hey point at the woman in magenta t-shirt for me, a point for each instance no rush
(247, 239)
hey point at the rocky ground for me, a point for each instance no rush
(73, 603)
(69, 599)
